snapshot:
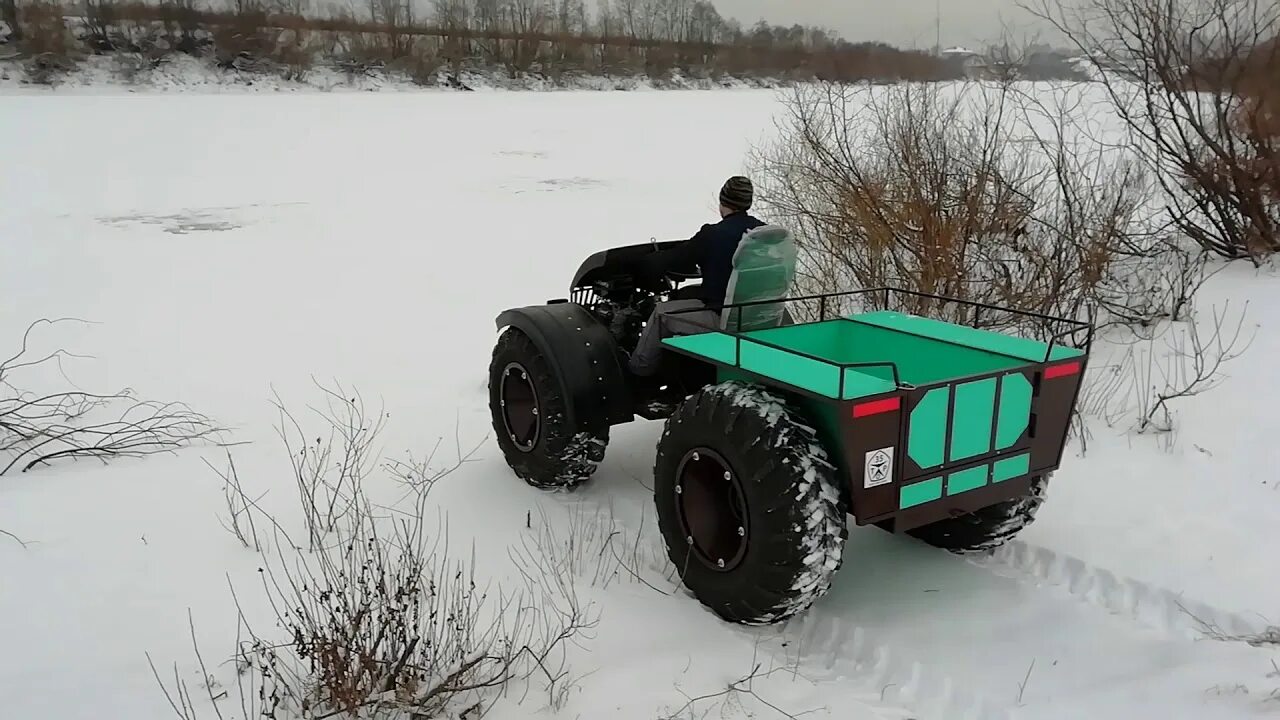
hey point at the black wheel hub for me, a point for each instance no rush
(520, 413)
(712, 509)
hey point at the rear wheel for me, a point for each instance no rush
(529, 415)
(747, 504)
(988, 528)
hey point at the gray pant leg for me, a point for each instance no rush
(644, 361)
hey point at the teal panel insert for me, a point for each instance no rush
(822, 378)
(1015, 410)
(985, 340)
(1010, 468)
(971, 419)
(919, 493)
(861, 382)
(967, 480)
(802, 372)
(927, 436)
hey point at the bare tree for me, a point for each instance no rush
(1195, 84)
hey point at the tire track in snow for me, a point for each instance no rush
(949, 637)
(1154, 607)
(841, 651)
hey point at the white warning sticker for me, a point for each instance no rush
(878, 468)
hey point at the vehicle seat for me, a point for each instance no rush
(764, 267)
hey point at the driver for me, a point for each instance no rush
(712, 249)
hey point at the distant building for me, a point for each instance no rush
(967, 63)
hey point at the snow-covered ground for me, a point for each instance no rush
(230, 247)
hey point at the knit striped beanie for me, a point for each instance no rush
(737, 193)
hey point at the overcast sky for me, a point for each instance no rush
(905, 23)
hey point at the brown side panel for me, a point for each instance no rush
(1051, 416)
(872, 442)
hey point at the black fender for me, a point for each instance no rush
(585, 359)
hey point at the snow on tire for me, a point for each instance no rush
(747, 504)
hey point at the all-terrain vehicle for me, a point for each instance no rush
(777, 429)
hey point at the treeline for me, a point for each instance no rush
(546, 37)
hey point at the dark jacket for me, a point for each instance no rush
(712, 249)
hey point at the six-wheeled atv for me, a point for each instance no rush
(776, 431)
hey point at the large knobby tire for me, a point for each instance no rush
(748, 504)
(529, 413)
(988, 528)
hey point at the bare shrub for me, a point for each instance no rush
(327, 477)
(383, 619)
(1169, 363)
(1194, 84)
(49, 48)
(934, 190)
(39, 428)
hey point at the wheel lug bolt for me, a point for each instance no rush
(689, 540)
(727, 476)
(720, 562)
(742, 532)
(679, 489)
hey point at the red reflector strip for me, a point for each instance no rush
(1062, 370)
(876, 407)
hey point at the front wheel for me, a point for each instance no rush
(528, 410)
(747, 504)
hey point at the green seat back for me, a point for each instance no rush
(764, 267)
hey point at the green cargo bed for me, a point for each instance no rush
(856, 356)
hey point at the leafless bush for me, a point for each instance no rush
(383, 619)
(39, 428)
(944, 194)
(1192, 366)
(1142, 378)
(327, 477)
(1195, 84)
(49, 50)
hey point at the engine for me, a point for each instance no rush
(623, 308)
